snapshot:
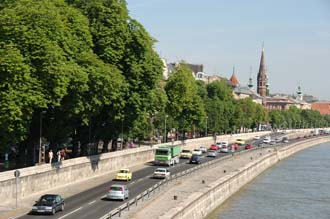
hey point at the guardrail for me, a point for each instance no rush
(147, 193)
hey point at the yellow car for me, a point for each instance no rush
(124, 174)
(240, 141)
(186, 154)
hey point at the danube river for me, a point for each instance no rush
(298, 187)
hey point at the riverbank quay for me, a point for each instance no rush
(196, 195)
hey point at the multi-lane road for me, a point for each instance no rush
(92, 203)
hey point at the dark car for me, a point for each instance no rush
(48, 204)
(248, 146)
(196, 159)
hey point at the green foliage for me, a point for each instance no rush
(184, 104)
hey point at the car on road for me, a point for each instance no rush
(273, 142)
(214, 147)
(161, 173)
(218, 144)
(234, 146)
(124, 174)
(267, 140)
(240, 141)
(285, 140)
(118, 192)
(248, 146)
(48, 204)
(224, 144)
(197, 152)
(203, 149)
(196, 159)
(211, 153)
(224, 150)
(186, 154)
(257, 137)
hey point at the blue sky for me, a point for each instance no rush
(221, 34)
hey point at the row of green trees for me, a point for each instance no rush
(81, 71)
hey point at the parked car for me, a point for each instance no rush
(124, 174)
(240, 141)
(285, 140)
(196, 159)
(197, 152)
(118, 192)
(211, 153)
(248, 146)
(48, 204)
(214, 147)
(257, 137)
(161, 173)
(203, 149)
(186, 154)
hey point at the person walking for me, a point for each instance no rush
(50, 155)
(58, 156)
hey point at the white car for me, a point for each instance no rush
(211, 153)
(224, 144)
(203, 149)
(267, 140)
(161, 173)
(218, 144)
(224, 149)
(197, 152)
(257, 137)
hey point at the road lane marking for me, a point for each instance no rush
(92, 202)
(70, 213)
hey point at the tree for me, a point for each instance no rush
(184, 103)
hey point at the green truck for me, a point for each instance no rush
(167, 155)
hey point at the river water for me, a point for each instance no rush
(296, 188)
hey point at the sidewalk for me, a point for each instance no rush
(25, 205)
(154, 207)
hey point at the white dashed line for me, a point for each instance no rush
(92, 202)
(70, 213)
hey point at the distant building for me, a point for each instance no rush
(322, 107)
(309, 98)
(241, 92)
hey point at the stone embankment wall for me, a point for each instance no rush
(36, 179)
(201, 203)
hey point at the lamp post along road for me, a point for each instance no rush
(40, 136)
(165, 128)
(206, 126)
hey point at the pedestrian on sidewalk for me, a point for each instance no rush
(58, 156)
(50, 155)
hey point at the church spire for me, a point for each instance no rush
(262, 75)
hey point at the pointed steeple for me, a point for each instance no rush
(233, 78)
(262, 75)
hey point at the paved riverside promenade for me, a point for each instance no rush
(158, 205)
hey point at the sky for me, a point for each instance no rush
(221, 34)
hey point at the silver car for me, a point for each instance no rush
(118, 192)
(211, 153)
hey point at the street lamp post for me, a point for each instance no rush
(165, 128)
(40, 136)
(206, 126)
